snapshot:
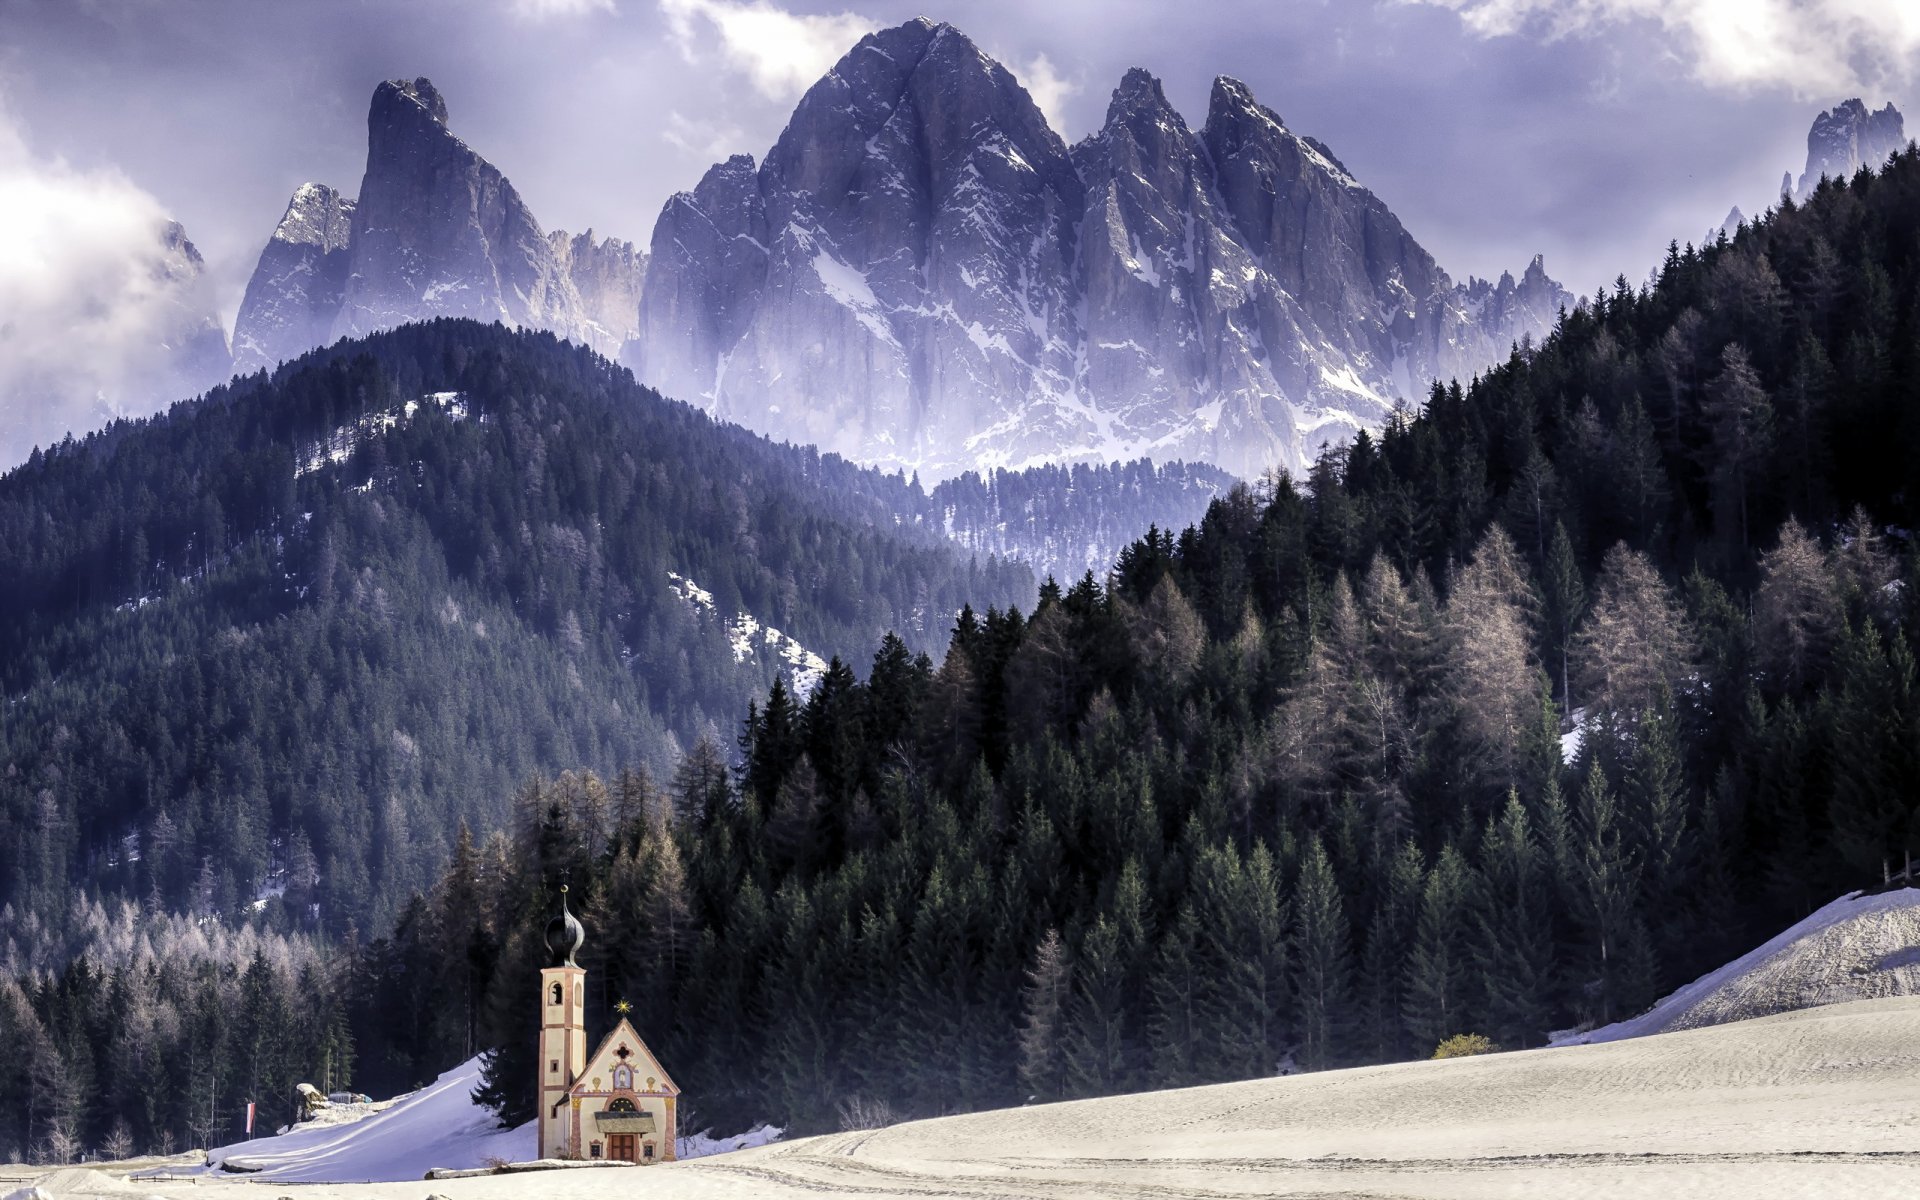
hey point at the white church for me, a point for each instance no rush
(616, 1103)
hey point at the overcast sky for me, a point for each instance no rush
(1588, 130)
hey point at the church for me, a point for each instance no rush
(616, 1103)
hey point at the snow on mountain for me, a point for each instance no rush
(922, 275)
(751, 640)
(1856, 948)
(338, 446)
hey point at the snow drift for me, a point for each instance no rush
(1856, 948)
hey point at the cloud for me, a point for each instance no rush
(541, 10)
(783, 53)
(1048, 88)
(99, 315)
(1814, 48)
(714, 139)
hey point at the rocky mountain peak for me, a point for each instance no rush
(294, 295)
(1233, 114)
(317, 215)
(395, 95)
(182, 257)
(1140, 101)
(1849, 136)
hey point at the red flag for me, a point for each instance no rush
(249, 1118)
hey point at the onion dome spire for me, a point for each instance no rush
(564, 935)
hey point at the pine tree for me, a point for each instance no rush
(1389, 949)
(1322, 971)
(1604, 885)
(1096, 1044)
(1043, 1012)
(1566, 603)
(1796, 613)
(1661, 837)
(1740, 416)
(1175, 1055)
(1513, 944)
(1439, 967)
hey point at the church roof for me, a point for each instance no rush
(624, 1031)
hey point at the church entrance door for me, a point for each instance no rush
(620, 1147)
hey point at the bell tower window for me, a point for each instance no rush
(559, 995)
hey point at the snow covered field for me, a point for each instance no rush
(1817, 1103)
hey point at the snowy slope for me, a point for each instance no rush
(437, 1126)
(1856, 948)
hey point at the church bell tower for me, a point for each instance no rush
(563, 1032)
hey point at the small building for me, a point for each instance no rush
(616, 1103)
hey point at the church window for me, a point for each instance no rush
(648, 1151)
(557, 994)
(553, 1066)
(596, 1149)
(621, 1105)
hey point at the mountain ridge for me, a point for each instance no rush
(1002, 334)
(921, 274)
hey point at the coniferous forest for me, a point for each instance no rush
(1572, 685)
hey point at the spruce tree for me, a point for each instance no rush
(1323, 966)
(1513, 943)
(1439, 967)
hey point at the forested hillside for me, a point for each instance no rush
(277, 645)
(1297, 787)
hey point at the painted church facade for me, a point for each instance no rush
(616, 1103)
